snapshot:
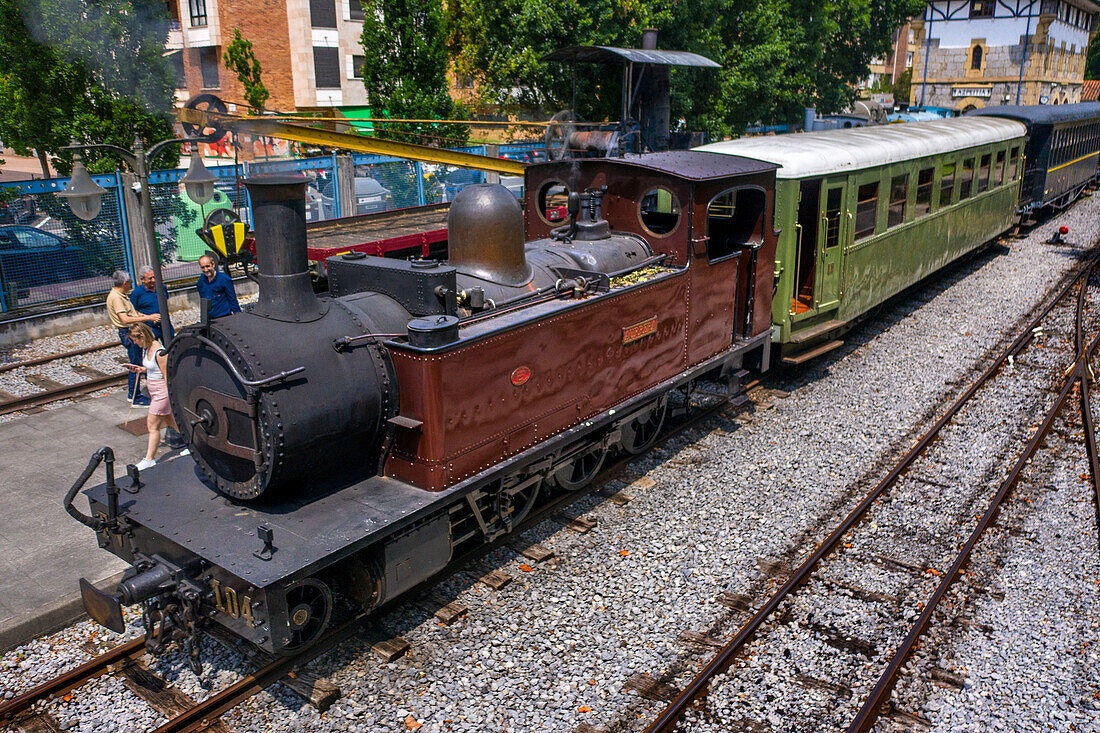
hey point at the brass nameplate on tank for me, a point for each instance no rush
(639, 331)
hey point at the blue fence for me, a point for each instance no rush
(48, 255)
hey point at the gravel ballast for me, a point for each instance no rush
(711, 511)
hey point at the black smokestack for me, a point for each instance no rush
(279, 222)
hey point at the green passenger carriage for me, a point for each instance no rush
(864, 213)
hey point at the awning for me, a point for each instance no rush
(355, 114)
(611, 55)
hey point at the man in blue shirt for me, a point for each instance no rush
(218, 288)
(144, 298)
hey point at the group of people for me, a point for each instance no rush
(135, 312)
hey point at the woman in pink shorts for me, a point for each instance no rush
(154, 364)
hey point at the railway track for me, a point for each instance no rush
(51, 390)
(875, 534)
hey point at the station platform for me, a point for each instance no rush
(43, 551)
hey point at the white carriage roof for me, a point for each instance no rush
(836, 151)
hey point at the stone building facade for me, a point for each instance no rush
(976, 53)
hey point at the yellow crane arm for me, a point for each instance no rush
(349, 141)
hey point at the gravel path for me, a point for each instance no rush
(712, 512)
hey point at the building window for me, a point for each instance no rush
(175, 60)
(355, 10)
(866, 210)
(976, 59)
(357, 66)
(326, 67)
(322, 13)
(198, 12)
(208, 66)
(982, 8)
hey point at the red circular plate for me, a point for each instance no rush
(520, 375)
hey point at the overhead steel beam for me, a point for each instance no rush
(348, 141)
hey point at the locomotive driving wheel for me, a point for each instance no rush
(308, 608)
(581, 469)
(640, 432)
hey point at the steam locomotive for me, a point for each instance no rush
(356, 440)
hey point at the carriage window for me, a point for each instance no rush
(553, 198)
(983, 173)
(734, 218)
(866, 210)
(924, 192)
(899, 194)
(1014, 162)
(966, 179)
(999, 169)
(659, 211)
(832, 217)
(947, 184)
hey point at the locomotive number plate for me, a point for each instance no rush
(639, 331)
(230, 603)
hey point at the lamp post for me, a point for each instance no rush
(84, 197)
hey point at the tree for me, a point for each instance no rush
(91, 71)
(241, 60)
(777, 56)
(405, 70)
(1092, 59)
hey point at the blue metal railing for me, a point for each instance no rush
(47, 254)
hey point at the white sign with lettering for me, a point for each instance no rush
(980, 92)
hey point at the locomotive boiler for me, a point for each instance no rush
(354, 441)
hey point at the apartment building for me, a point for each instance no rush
(974, 53)
(309, 50)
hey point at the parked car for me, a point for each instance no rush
(371, 196)
(21, 210)
(30, 257)
(319, 206)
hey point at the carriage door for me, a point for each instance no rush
(830, 249)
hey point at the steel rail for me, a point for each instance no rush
(666, 721)
(880, 695)
(1087, 422)
(55, 357)
(12, 709)
(61, 393)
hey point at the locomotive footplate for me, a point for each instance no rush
(253, 564)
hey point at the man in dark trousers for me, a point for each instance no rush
(217, 287)
(144, 298)
(123, 315)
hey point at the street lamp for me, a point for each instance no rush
(85, 198)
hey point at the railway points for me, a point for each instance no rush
(607, 610)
